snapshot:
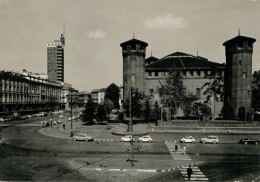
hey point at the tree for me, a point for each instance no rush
(172, 91)
(112, 93)
(147, 110)
(215, 85)
(189, 100)
(89, 112)
(102, 113)
(256, 90)
(227, 112)
(137, 104)
(156, 110)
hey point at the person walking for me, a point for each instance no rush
(176, 147)
(189, 172)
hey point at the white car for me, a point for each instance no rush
(2, 119)
(83, 137)
(209, 139)
(145, 138)
(188, 139)
(127, 138)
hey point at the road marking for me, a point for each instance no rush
(196, 176)
(178, 155)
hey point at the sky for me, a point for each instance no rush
(94, 30)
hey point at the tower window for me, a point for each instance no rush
(205, 72)
(198, 92)
(198, 73)
(156, 73)
(191, 73)
(184, 72)
(151, 91)
(250, 45)
(240, 63)
(244, 75)
(149, 74)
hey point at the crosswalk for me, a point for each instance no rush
(196, 176)
(181, 155)
(177, 155)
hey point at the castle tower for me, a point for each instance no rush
(133, 65)
(238, 75)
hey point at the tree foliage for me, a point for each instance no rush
(137, 103)
(256, 90)
(102, 113)
(89, 112)
(156, 110)
(172, 91)
(112, 93)
(215, 85)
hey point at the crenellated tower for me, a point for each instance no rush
(133, 65)
(238, 75)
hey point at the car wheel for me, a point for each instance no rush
(149, 141)
(203, 141)
(214, 142)
(140, 141)
(75, 139)
(122, 140)
(256, 143)
(245, 143)
(193, 142)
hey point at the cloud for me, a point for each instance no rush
(166, 22)
(97, 34)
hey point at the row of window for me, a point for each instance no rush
(184, 73)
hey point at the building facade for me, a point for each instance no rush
(23, 93)
(237, 73)
(133, 52)
(98, 95)
(194, 70)
(238, 77)
(55, 59)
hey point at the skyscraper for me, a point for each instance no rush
(55, 59)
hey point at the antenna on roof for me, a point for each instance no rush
(133, 35)
(64, 29)
(151, 53)
(239, 31)
(197, 53)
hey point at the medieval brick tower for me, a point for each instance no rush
(133, 65)
(238, 75)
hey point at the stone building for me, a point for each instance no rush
(23, 93)
(238, 76)
(237, 73)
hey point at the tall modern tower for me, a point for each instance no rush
(238, 75)
(133, 65)
(55, 59)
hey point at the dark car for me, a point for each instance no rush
(249, 141)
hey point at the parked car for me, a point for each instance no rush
(249, 141)
(83, 137)
(127, 138)
(188, 139)
(2, 119)
(45, 123)
(209, 139)
(145, 138)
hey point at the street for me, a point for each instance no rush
(26, 154)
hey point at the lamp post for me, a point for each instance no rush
(71, 123)
(130, 123)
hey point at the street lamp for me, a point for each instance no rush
(72, 101)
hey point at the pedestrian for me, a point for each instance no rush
(63, 126)
(189, 172)
(176, 147)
